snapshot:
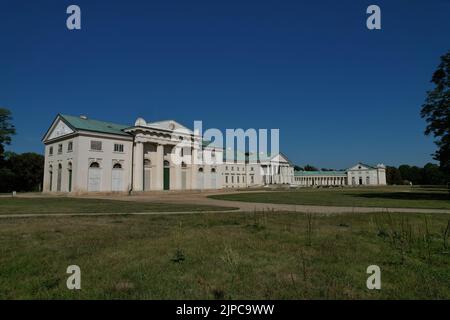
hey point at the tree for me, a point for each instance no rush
(309, 168)
(21, 172)
(413, 174)
(6, 129)
(393, 176)
(432, 175)
(436, 112)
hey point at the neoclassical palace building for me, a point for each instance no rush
(360, 174)
(87, 155)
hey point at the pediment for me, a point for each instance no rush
(58, 129)
(170, 125)
(280, 158)
(360, 166)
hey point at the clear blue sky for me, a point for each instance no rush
(338, 92)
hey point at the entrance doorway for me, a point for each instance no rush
(94, 176)
(147, 165)
(59, 178)
(70, 177)
(166, 175)
(116, 177)
(183, 176)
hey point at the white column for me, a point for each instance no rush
(159, 167)
(194, 168)
(177, 170)
(138, 163)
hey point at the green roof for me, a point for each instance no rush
(319, 173)
(94, 125)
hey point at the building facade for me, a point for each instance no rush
(86, 155)
(358, 175)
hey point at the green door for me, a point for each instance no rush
(166, 178)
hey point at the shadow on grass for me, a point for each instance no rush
(405, 196)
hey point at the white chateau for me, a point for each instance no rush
(86, 155)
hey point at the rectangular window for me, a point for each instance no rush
(232, 179)
(70, 146)
(252, 177)
(118, 147)
(237, 179)
(50, 151)
(96, 145)
(60, 148)
(226, 179)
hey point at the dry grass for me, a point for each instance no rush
(226, 256)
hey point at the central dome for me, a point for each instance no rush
(140, 122)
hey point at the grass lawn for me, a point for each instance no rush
(77, 205)
(395, 197)
(226, 256)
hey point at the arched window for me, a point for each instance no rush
(147, 163)
(213, 170)
(117, 166)
(94, 165)
(200, 169)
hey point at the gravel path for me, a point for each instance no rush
(201, 198)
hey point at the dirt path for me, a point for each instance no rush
(201, 198)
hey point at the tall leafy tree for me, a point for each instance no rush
(6, 129)
(436, 112)
(393, 176)
(21, 172)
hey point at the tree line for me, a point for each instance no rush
(18, 172)
(430, 174)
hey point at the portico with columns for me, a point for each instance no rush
(276, 169)
(320, 178)
(166, 157)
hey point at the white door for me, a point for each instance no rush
(183, 180)
(116, 180)
(200, 180)
(213, 180)
(147, 179)
(94, 179)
